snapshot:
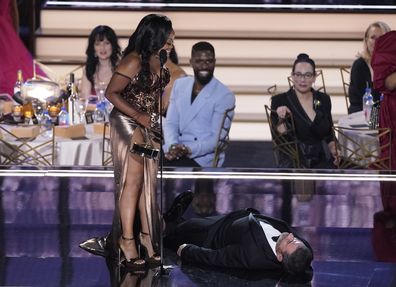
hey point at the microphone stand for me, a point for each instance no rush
(164, 271)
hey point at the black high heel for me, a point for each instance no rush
(152, 261)
(134, 263)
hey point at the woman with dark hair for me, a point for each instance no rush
(311, 112)
(103, 54)
(134, 90)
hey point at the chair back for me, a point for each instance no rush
(223, 137)
(345, 76)
(285, 144)
(319, 75)
(107, 159)
(365, 148)
(27, 146)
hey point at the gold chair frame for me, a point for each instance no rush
(107, 158)
(281, 142)
(345, 76)
(319, 73)
(223, 137)
(367, 155)
(23, 151)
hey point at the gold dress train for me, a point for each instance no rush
(121, 136)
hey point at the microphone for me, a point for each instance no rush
(163, 56)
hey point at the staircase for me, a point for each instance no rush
(254, 49)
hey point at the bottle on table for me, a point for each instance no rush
(19, 82)
(63, 117)
(71, 102)
(46, 124)
(367, 104)
(99, 115)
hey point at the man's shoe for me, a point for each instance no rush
(96, 246)
(179, 206)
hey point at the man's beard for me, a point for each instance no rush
(203, 80)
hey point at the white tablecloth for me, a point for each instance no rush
(362, 141)
(68, 152)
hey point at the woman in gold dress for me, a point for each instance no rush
(134, 90)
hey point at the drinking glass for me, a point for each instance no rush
(81, 105)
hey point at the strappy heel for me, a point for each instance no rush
(134, 263)
(153, 260)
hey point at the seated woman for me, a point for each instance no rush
(103, 54)
(361, 76)
(311, 112)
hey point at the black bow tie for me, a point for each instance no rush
(275, 238)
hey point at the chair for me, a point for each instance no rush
(36, 150)
(107, 159)
(223, 136)
(345, 76)
(272, 90)
(362, 148)
(319, 74)
(285, 144)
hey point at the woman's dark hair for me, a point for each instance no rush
(150, 35)
(173, 56)
(304, 58)
(100, 33)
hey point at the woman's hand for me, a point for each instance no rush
(282, 111)
(334, 152)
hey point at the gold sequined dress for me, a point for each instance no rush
(122, 129)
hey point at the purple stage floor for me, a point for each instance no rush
(44, 215)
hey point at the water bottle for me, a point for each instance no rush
(63, 117)
(46, 124)
(367, 104)
(99, 115)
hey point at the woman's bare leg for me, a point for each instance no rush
(129, 199)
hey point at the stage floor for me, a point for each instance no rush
(45, 214)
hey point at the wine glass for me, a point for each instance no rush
(81, 105)
(38, 109)
(100, 89)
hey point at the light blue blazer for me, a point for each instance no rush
(197, 125)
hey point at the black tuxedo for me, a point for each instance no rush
(235, 240)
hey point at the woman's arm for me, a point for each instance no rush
(126, 70)
(390, 81)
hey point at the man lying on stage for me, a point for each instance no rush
(242, 239)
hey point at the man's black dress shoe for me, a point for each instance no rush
(178, 207)
(96, 246)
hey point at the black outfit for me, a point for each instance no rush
(236, 240)
(360, 77)
(312, 136)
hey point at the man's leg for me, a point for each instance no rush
(193, 231)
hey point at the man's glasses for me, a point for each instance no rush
(307, 76)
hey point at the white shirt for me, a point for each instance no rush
(269, 232)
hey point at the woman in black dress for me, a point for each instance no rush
(311, 112)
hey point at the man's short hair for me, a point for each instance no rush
(298, 261)
(202, 46)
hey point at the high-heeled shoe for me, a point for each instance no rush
(153, 260)
(133, 263)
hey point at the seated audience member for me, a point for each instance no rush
(361, 76)
(196, 110)
(103, 54)
(241, 239)
(172, 64)
(311, 112)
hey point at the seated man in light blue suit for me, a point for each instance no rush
(196, 110)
